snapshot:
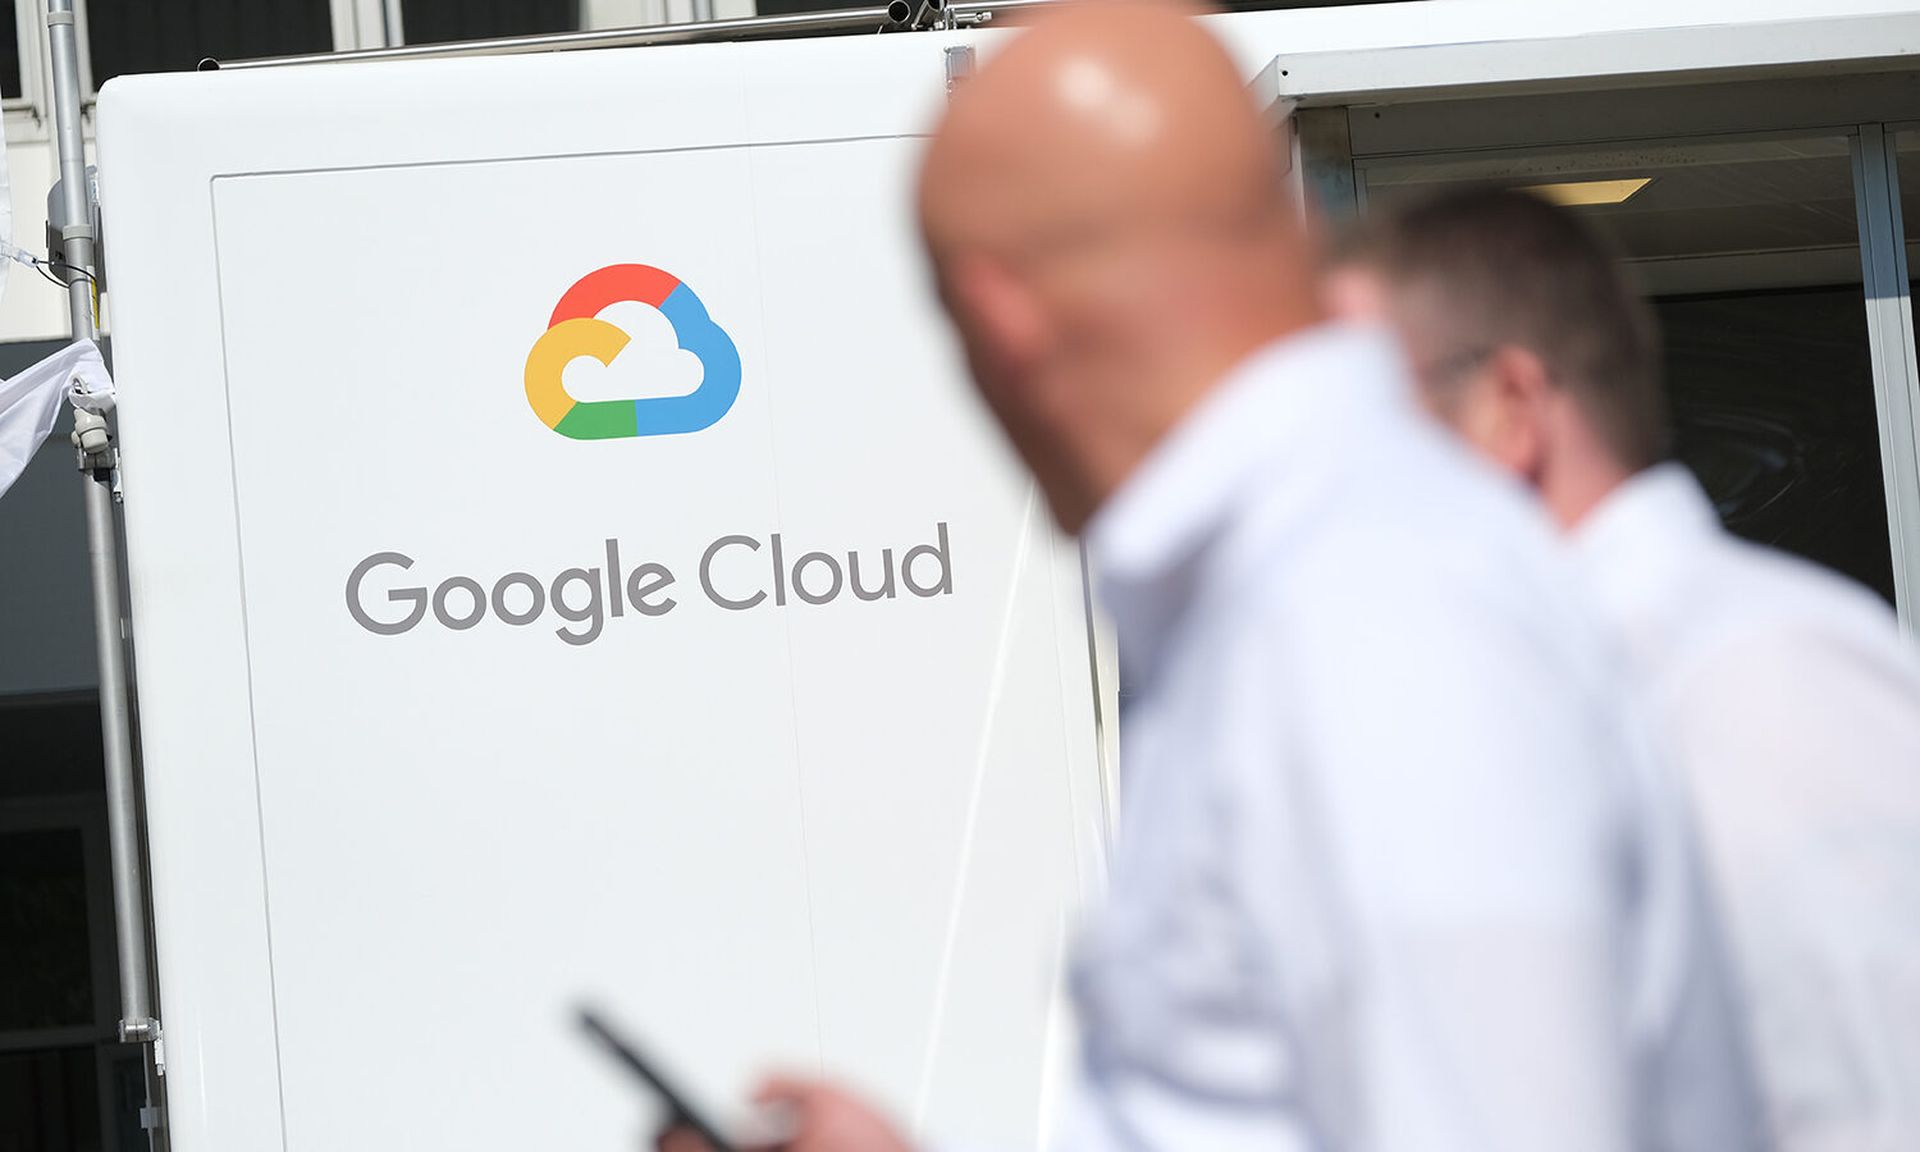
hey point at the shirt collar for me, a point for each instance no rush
(1251, 418)
(1630, 541)
(1264, 413)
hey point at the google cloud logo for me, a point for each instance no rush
(576, 330)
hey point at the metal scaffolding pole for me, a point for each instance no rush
(98, 464)
(896, 15)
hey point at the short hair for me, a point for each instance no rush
(1505, 267)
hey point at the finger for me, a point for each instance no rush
(790, 1091)
(679, 1138)
(771, 1124)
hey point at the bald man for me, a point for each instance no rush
(1787, 696)
(1390, 873)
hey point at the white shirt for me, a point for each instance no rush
(1793, 708)
(1389, 875)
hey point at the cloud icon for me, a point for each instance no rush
(652, 364)
(665, 387)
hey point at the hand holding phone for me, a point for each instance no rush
(680, 1113)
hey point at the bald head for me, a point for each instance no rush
(1106, 211)
(1114, 115)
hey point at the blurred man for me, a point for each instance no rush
(1790, 701)
(1388, 874)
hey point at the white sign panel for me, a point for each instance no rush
(634, 606)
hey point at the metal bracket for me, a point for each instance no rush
(60, 229)
(142, 1031)
(147, 1031)
(93, 438)
(959, 66)
(1324, 153)
(928, 14)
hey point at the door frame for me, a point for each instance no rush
(1334, 144)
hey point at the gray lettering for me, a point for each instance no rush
(465, 584)
(588, 614)
(658, 578)
(706, 573)
(537, 605)
(885, 591)
(800, 583)
(945, 585)
(398, 596)
(779, 573)
(613, 577)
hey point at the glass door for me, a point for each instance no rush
(1750, 248)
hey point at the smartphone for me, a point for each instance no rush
(679, 1111)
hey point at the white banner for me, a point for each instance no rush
(30, 402)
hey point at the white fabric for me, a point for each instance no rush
(1794, 710)
(1389, 875)
(30, 403)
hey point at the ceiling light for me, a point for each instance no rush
(1581, 193)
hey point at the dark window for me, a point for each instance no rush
(9, 52)
(80, 1091)
(46, 977)
(1773, 409)
(172, 35)
(439, 21)
(50, 1099)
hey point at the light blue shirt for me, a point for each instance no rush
(1393, 871)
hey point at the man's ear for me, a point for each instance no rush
(1512, 393)
(1002, 319)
